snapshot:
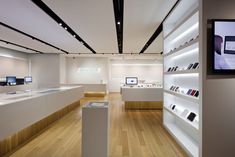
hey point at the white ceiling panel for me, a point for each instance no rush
(27, 17)
(18, 38)
(92, 20)
(9, 46)
(141, 19)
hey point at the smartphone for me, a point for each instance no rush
(196, 94)
(195, 65)
(189, 91)
(191, 116)
(190, 66)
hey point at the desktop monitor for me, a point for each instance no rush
(131, 80)
(28, 79)
(11, 80)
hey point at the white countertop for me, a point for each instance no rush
(12, 97)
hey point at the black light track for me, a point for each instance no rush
(118, 6)
(158, 30)
(55, 17)
(30, 36)
(27, 48)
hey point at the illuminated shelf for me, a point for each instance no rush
(183, 119)
(187, 47)
(193, 71)
(190, 145)
(183, 96)
(181, 23)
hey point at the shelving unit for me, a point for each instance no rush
(181, 48)
(183, 96)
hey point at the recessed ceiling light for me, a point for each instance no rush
(60, 24)
(65, 28)
(118, 22)
(74, 36)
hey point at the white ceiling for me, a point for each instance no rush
(92, 20)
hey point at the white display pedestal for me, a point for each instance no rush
(95, 123)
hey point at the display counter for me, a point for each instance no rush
(142, 97)
(25, 113)
(91, 90)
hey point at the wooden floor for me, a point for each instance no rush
(132, 134)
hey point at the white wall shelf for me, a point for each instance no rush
(187, 142)
(181, 23)
(181, 48)
(193, 71)
(183, 119)
(183, 96)
(190, 45)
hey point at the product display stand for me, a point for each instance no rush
(181, 75)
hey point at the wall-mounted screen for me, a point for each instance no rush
(28, 79)
(11, 80)
(131, 80)
(223, 60)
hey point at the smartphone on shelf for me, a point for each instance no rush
(191, 116)
(193, 92)
(196, 65)
(189, 91)
(196, 94)
(190, 66)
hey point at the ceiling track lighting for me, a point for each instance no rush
(158, 30)
(118, 7)
(27, 48)
(30, 36)
(55, 17)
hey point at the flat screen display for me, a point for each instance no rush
(131, 80)
(28, 79)
(11, 79)
(223, 60)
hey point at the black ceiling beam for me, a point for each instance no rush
(118, 7)
(32, 37)
(55, 17)
(27, 48)
(158, 30)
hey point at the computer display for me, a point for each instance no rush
(11, 80)
(223, 58)
(131, 80)
(28, 79)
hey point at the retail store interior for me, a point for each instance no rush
(117, 78)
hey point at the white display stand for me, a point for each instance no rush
(95, 124)
(181, 48)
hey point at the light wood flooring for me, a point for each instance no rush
(132, 134)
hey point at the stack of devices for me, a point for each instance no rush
(187, 42)
(193, 66)
(189, 67)
(172, 69)
(193, 92)
(174, 88)
(190, 116)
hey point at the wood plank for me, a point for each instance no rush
(150, 105)
(21, 137)
(94, 94)
(133, 133)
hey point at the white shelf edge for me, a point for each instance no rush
(194, 126)
(193, 71)
(182, 22)
(184, 96)
(190, 145)
(181, 48)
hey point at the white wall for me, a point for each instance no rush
(148, 70)
(218, 107)
(13, 63)
(112, 72)
(45, 69)
(62, 69)
(92, 70)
